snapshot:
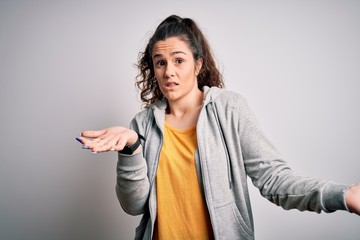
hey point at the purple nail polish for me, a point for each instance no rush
(85, 147)
(79, 140)
(93, 152)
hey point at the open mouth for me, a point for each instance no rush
(171, 84)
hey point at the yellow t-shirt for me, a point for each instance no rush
(181, 208)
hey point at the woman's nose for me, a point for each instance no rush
(170, 70)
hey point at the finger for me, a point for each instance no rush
(96, 143)
(93, 133)
(106, 144)
(83, 140)
(113, 143)
(120, 144)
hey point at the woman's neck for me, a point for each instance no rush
(183, 114)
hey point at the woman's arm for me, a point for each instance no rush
(132, 185)
(275, 179)
(108, 139)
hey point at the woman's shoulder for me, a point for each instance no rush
(148, 112)
(222, 95)
(143, 114)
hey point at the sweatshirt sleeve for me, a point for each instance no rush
(132, 185)
(274, 178)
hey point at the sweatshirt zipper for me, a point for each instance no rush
(154, 177)
(224, 144)
(208, 199)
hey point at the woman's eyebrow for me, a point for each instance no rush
(159, 55)
(177, 52)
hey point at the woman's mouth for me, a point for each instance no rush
(170, 85)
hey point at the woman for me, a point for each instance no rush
(184, 161)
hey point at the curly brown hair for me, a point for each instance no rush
(188, 31)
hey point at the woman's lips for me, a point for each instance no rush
(170, 85)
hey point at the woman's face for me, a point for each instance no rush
(175, 68)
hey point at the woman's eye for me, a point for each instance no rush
(178, 61)
(160, 63)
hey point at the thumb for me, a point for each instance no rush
(93, 133)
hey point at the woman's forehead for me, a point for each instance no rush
(170, 46)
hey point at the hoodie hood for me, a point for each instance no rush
(210, 93)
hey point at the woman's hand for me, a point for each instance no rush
(352, 198)
(108, 139)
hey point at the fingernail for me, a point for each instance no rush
(85, 147)
(79, 140)
(93, 152)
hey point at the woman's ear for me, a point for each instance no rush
(198, 66)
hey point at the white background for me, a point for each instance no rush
(67, 66)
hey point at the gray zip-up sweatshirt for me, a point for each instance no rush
(231, 146)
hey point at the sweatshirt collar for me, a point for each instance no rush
(210, 93)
